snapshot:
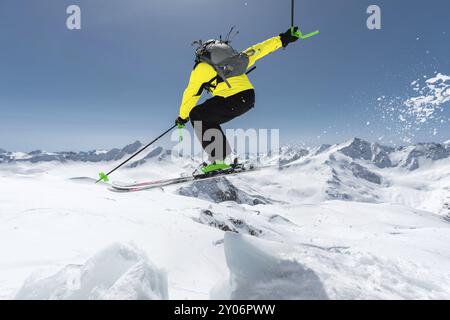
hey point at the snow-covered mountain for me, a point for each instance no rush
(355, 220)
(64, 156)
(409, 157)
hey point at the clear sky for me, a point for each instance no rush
(121, 77)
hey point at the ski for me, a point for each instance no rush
(119, 187)
(123, 185)
(146, 185)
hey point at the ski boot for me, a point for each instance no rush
(216, 166)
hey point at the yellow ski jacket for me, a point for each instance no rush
(203, 73)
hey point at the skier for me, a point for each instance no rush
(221, 71)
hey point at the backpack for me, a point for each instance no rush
(226, 61)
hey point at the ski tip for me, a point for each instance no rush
(102, 177)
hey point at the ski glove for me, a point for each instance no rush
(288, 37)
(180, 122)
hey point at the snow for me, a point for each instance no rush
(437, 78)
(119, 272)
(256, 274)
(325, 231)
(421, 109)
(273, 270)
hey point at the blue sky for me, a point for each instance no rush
(121, 77)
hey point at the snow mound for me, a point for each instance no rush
(219, 190)
(120, 272)
(261, 269)
(256, 275)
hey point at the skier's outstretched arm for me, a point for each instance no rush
(202, 73)
(262, 49)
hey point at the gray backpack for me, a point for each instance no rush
(226, 61)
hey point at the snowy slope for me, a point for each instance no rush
(348, 221)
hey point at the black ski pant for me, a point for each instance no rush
(214, 112)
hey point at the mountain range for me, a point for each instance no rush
(409, 157)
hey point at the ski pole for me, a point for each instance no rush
(292, 12)
(298, 33)
(180, 131)
(104, 176)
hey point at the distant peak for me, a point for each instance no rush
(357, 141)
(132, 148)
